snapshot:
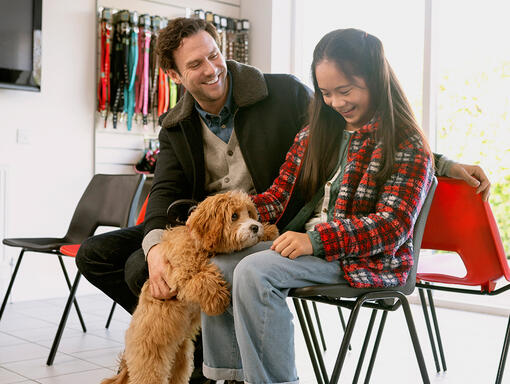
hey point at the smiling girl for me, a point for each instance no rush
(349, 192)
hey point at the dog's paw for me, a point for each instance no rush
(217, 303)
(270, 232)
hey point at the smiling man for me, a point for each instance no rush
(230, 130)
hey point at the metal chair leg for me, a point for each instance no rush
(429, 328)
(345, 342)
(414, 338)
(304, 329)
(319, 326)
(63, 320)
(436, 327)
(78, 312)
(504, 354)
(11, 282)
(365, 346)
(342, 320)
(110, 315)
(376, 347)
(314, 341)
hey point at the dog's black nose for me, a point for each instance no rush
(254, 228)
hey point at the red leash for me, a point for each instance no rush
(104, 79)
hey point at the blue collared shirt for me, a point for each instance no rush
(223, 124)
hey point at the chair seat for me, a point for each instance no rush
(345, 291)
(70, 249)
(42, 244)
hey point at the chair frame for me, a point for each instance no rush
(56, 251)
(386, 300)
(72, 250)
(487, 288)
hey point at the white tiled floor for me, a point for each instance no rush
(472, 341)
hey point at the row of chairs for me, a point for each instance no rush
(453, 218)
(108, 200)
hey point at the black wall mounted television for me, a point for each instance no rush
(20, 44)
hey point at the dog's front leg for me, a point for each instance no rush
(270, 232)
(206, 288)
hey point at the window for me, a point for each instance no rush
(473, 95)
(471, 60)
(400, 30)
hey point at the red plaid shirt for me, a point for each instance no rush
(372, 229)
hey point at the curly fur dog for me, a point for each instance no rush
(159, 340)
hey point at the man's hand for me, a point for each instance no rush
(157, 267)
(293, 244)
(474, 176)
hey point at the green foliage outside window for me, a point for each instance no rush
(474, 128)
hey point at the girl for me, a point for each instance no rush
(347, 196)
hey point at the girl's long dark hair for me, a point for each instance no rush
(356, 53)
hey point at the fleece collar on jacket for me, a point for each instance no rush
(249, 88)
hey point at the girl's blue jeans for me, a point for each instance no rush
(253, 341)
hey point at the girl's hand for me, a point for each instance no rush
(474, 176)
(293, 244)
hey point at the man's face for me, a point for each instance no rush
(202, 71)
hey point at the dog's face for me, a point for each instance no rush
(225, 223)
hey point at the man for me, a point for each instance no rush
(231, 130)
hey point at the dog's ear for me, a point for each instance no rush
(206, 224)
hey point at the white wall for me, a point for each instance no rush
(271, 38)
(45, 178)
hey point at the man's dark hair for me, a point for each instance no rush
(170, 38)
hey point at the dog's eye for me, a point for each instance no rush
(235, 216)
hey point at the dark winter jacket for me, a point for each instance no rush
(271, 109)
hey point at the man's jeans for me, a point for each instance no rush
(254, 339)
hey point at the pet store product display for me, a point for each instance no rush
(147, 164)
(132, 89)
(159, 340)
(232, 33)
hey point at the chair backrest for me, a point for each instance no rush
(141, 215)
(336, 290)
(107, 201)
(419, 227)
(460, 221)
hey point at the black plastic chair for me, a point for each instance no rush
(109, 200)
(385, 299)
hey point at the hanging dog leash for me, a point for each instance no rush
(139, 68)
(103, 88)
(126, 34)
(173, 94)
(154, 68)
(145, 74)
(116, 68)
(121, 39)
(132, 65)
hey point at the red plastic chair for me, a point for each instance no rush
(72, 250)
(460, 221)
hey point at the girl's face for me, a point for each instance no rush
(350, 98)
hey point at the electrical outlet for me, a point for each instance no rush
(23, 136)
